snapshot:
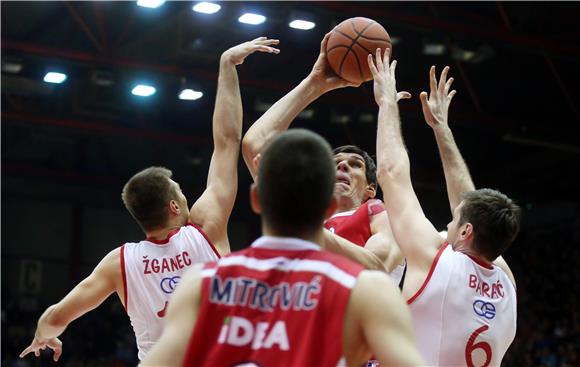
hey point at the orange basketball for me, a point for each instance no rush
(349, 44)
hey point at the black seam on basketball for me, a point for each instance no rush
(374, 39)
(335, 47)
(362, 76)
(354, 41)
(364, 48)
(344, 34)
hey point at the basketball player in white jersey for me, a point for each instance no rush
(144, 274)
(356, 182)
(463, 306)
(283, 301)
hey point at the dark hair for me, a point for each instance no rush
(146, 196)
(495, 219)
(370, 165)
(296, 181)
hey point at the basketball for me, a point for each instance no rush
(349, 44)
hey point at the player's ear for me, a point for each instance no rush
(371, 191)
(174, 207)
(331, 207)
(254, 200)
(466, 231)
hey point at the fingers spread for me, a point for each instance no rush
(393, 67)
(453, 92)
(432, 79)
(372, 65)
(448, 85)
(443, 79)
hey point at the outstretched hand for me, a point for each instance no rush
(37, 345)
(238, 54)
(322, 73)
(385, 84)
(436, 107)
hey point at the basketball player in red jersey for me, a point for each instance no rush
(463, 304)
(283, 301)
(144, 274)
(359, 217)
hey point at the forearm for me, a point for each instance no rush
(228, 115)
(392, 158)
(50, 325)
(279, 117)
(457, 175)
(341, 246)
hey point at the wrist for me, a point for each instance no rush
(312, 88)
(387, 103)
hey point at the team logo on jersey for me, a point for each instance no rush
(241, 332)
(168, 284)
(484, 309)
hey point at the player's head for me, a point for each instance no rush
(154, 199)
(295, 184)
(356, 173)
(490, 219)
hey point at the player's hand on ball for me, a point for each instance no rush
(37, 345)
(383, 71)
(322, 74)
(238, 54)
(436, 107)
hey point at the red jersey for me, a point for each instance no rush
(353, 225)
(280, 302)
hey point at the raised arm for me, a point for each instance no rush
(279, 117)
(415, 235)
(87, 295)
(339, 245)
(180, 320)
(212, 210)
(435, 111)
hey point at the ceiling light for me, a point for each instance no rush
(251, 18)
(143, 90)
(53, 77)
(12, 67)
(150, 3)
(206, 8)
(433, 49)
(301, 24)
(190, 94)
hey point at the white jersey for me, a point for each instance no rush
(151, 271)
(464, 314)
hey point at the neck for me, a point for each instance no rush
(346, 203)
(162, 233)
(468, 250)
(316, 237)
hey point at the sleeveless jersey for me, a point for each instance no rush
(464, 314)
(280, 302)
(151, 271)
(355, 226)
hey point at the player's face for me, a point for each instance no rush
(351, 179)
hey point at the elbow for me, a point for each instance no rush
(249, 150)
(55, 317)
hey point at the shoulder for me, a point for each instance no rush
(374, 207)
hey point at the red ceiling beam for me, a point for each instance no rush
(26, 118)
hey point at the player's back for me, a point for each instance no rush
(465, 312)
(151, 271)
(280, 302)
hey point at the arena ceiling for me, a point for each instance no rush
(516, 115)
